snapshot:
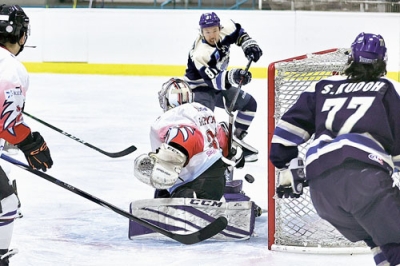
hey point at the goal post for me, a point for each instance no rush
(293, 224)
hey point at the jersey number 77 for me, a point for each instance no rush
(333, 105)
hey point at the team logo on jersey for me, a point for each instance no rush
(375, 158)
(184, 132)
(187, 137)
(224, 49)
(222, 57)
(12, 108)
(217, 55)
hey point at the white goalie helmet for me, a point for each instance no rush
(173, 93)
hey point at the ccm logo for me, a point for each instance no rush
(206, 202)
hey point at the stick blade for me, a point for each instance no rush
(207, 232)
(122, 153)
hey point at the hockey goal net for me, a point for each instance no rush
(293, 224)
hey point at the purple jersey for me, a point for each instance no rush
(348, 120)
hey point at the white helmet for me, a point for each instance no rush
(173, 93)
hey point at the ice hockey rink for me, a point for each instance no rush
(60, 228)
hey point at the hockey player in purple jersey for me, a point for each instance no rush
(209, 78)
(355, 149)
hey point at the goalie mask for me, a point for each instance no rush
(161, 169)
(13, 24)
(368, 48)
(173, 93)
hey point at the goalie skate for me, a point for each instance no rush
(4, 259)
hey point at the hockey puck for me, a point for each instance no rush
(249, 178)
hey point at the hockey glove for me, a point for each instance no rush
(36, 152)
(160, 169)
(236, 75)
(291, 180)
(250, 47)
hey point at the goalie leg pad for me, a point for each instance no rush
(184, 215)
(233, 186)
(236, 197)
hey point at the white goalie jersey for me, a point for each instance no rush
(194, 127)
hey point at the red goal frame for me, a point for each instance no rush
(271, 128)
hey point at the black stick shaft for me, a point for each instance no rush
(109, 154)
(210, 230)
(232, 105)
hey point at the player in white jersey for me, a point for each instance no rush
(212, 83)
(187, 148)
(14, 82)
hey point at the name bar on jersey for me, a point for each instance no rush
(353, 87)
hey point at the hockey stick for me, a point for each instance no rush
(210, 230)
(109, 154)
(232, 105)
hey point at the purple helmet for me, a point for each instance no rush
(367, 48)
(209, 20)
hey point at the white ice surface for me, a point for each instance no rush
(60, 228)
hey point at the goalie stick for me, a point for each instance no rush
(210, 230)
(109, 154)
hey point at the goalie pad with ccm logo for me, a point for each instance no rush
(186, 215)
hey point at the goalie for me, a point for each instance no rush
(187, 143)
(356, 147)
(187, 167)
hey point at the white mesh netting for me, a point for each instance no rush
(296, 221)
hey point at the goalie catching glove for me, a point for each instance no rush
(36, 152)
(291, 180)
(160, 169)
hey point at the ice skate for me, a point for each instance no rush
(249, 152)
(4, 258)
